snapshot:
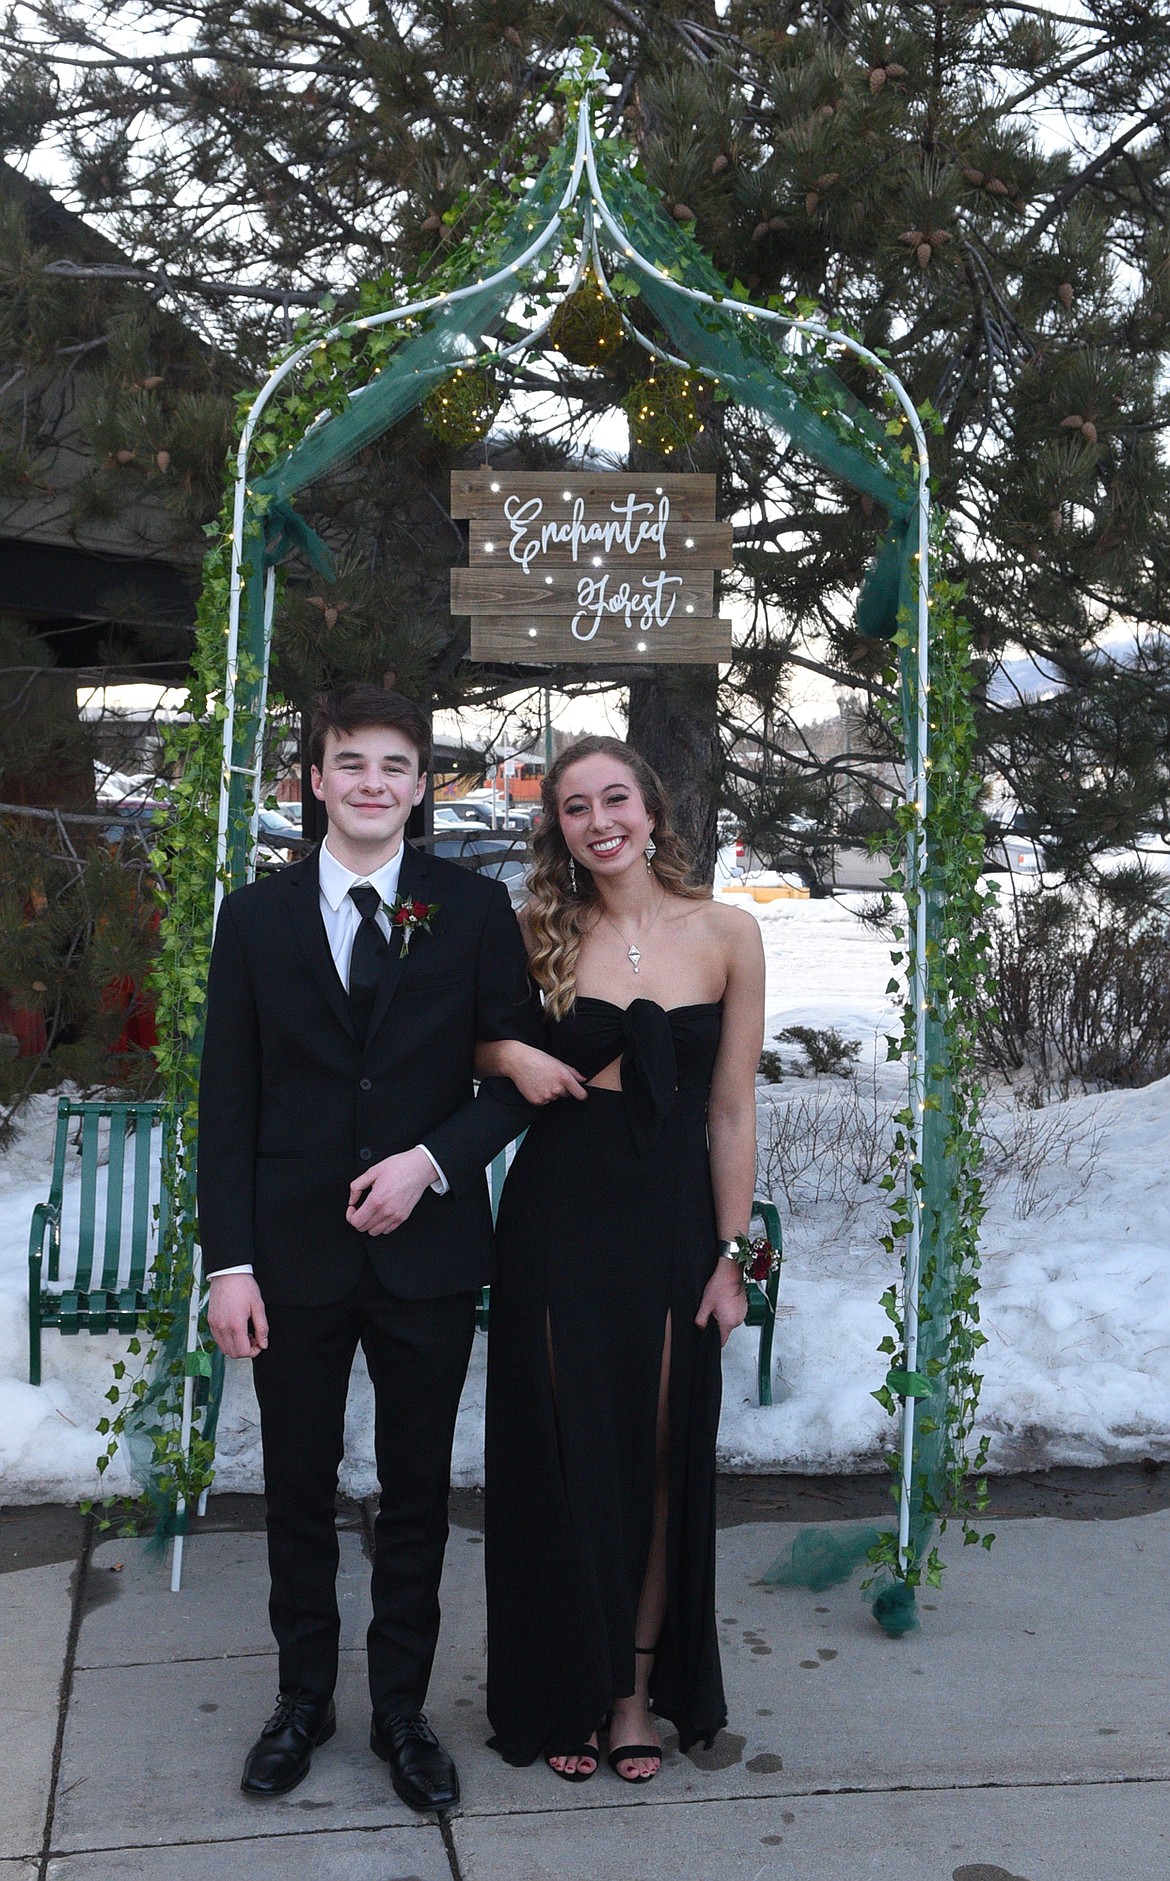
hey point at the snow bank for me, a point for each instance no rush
(1076, 1279)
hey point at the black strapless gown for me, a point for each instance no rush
(606, 1225)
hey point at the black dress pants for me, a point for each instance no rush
(417, 1353)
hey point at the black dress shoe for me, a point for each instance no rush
(420, 1769)
(280, 1757)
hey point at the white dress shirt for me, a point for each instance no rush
(342, 918)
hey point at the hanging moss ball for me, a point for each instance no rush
(663, 410)
(461, 410)
(587, 326)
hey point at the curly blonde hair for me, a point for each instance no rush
(557, 917)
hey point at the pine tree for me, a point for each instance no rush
(980, 189)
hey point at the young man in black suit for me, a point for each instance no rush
(342, 1198)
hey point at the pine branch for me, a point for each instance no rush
(1157, 114)
(164, 283)
(156, 63)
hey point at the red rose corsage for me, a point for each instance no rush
(757, 1260)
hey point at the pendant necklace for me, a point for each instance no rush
(633, 951)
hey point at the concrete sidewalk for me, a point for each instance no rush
(1022, 1735)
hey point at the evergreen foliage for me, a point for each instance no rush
(979, 190)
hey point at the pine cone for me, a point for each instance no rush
(513, 36)
(896, 71)
(1073, 422)
(810, 203)
(681, 213)
(1056, 521)
(123, 457)
(827, 180)
(996, 187)
(156, 379)
(163, 460)
(330, 617)
(760, 231)
(720, 164)
(976, 178)
(1064, 294)
(923, 251)
(776, 223)
(433, 221)
(912, 237)
(1089, 431)
(877, 78)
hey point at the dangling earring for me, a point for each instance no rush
(573, 874)
(651, 850)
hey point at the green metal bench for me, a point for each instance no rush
(116, 1226)
(761, 1300)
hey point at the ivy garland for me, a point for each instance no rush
(960, 984)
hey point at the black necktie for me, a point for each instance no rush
(370, 948)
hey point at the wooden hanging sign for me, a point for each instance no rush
(602, 565)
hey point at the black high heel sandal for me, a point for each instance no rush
(626, 1751)
(577, 1776)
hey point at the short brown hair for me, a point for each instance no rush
(351, 708)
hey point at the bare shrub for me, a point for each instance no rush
(1083, 989)
(826, 1146)
(1051, 1157)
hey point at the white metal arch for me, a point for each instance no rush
(584, 172)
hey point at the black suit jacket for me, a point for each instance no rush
(292, 1106)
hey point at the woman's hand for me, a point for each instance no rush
(724, 1299)
(538, 1076)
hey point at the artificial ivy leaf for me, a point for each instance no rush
(909, 1384)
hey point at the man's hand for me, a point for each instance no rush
(235, 1313)
(540, 1078)
(724, 1299)
(383, 1196)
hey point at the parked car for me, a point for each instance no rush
(279, 839)
(465, 810)
(1018, 855)
(494, 853)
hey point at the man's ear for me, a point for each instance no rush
(420, 789)
(318, 786)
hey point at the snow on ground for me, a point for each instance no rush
(1076, 1270)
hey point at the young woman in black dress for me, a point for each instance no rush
(613, 1298)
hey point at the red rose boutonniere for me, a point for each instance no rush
(407, 917)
